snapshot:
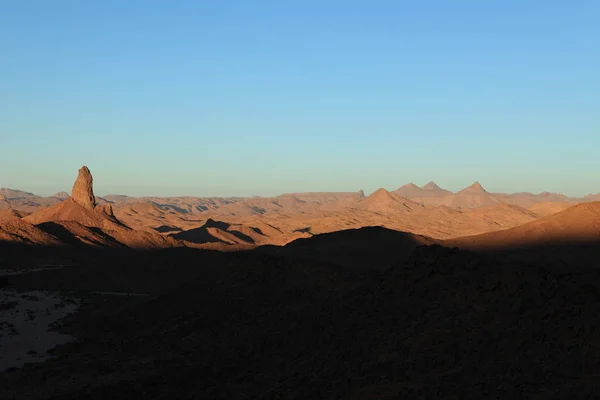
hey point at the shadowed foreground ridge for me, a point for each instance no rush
(441, 322)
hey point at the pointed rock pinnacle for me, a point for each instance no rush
(83, 190)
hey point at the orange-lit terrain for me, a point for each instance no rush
(396, 294)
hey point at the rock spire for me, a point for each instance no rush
(83, 190)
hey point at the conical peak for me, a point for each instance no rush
(410, 186)
(431, 186)
(83, 190)
(380, 192)
(477, 186)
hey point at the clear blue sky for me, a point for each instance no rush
(264, 97)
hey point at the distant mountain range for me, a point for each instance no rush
(236, 223)
(474, 196)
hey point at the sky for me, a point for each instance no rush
(258, 97)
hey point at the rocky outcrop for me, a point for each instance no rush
(83, 191)
(108, 210)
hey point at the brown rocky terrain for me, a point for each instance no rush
(8, 214)
(71, 210)
(218, 235)
(207, 223)
(326, 296)
(21, 232)
(428, 210)
(241, 224)
(79, 220)
(233, 224)
(429, 194)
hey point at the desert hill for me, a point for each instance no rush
(382, 201)
(70, 210)
(474, 196)
(219, 235)
(579, 224)
(73, 233)
(517, 214)
(373, 248)
(543, 209)
(61, 195)
(393, 212)
(146, 215)
(25, 201)
(21, 232)
(8, 214)
(422, 194)
(433, 188)
(410, 190)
